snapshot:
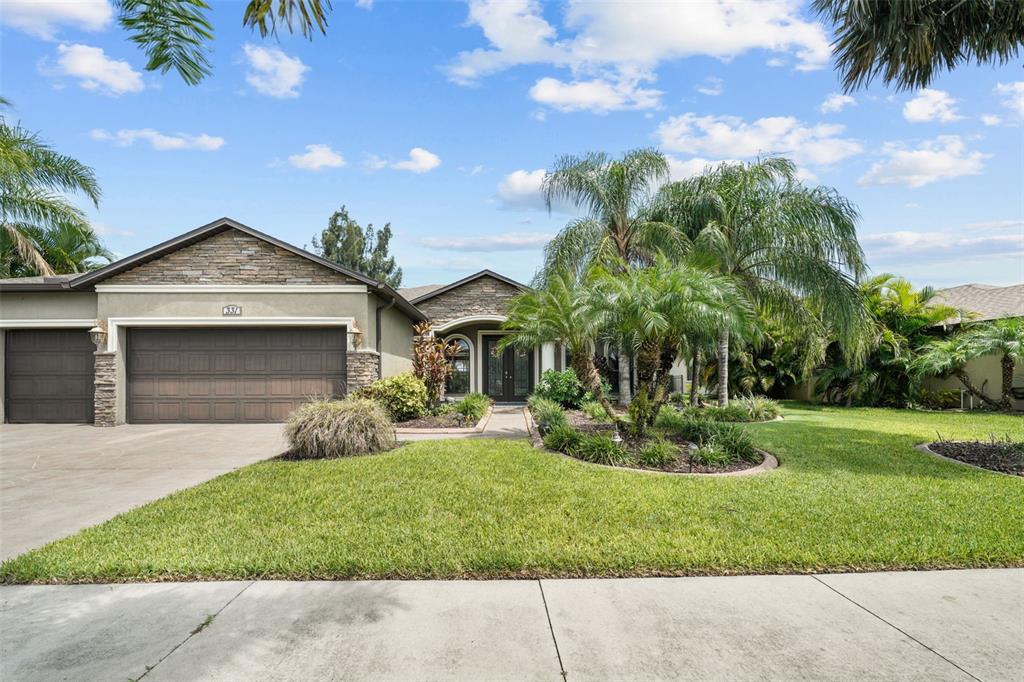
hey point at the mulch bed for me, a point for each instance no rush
(1006, 458)
(438, 421)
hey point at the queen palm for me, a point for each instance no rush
(33, 180)
(949, 357)
(615, 197)
(1004, 337)
(791, 248)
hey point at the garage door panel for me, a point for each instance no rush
(49, 375)
(233, 375)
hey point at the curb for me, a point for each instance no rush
(923, 447)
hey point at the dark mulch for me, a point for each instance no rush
(581, 422)
(1007, 458)
(451, 420)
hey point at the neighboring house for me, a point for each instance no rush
(980, 303)
(227, 324)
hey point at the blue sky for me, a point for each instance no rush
(441, 117)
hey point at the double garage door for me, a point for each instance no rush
(177, 375)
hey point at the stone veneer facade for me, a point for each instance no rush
(363, 369)
(105, 390)
(230, 257)
(483, 296)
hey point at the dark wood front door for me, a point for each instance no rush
(508, 374)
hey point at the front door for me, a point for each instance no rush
(508, 374)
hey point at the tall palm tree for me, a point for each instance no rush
(786, 244)
(615, 197)
(33, 180)
(1005, 337)
(910, 42)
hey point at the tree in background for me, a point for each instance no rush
(908, 42)
(43, 232)
(366, 251)
(177, 34)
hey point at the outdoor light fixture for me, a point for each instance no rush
(357, 335)
(616, 438)
(98, 335)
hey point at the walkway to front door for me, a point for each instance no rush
(508, 374)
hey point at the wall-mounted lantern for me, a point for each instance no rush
(98, 335)
(357, 335)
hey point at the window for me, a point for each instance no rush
(458, 381)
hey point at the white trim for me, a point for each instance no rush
(46, 324)
(231, 288)
(469, 319)
(472, 360)
(115, 323)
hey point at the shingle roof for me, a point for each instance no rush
(409, 293)
(987, 302)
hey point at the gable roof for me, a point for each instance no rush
(465, 280)
(413, 293)
(90, 279)
(987, 302)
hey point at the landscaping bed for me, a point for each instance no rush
(1002, 456)
(449, 420)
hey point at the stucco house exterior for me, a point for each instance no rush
(227, 324)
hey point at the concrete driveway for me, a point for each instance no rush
(56, 479)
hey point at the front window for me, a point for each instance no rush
(458, 380)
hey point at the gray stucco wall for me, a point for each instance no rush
(396, 342)
(47, 305)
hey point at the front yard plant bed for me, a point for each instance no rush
(450, 420)
(853, 495)
(1004, 456)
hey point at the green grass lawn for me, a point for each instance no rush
(852, 494)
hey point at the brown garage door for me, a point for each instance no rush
(49, 376)
(230, 375)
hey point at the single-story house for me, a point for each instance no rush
(227, 324)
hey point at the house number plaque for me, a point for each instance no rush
(232, 310)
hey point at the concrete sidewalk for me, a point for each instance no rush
(943, 625)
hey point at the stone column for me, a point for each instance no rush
(105, 395)
(363, 368)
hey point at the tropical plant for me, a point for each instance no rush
(366, 251)
(563, 438)
(595, 411)
(562, 387)
(473, 406)
(338, 428)
(431, 361)
(909, 42)
(790, 248)
(657, 453)
(403, 396)
(600, 449)
(35, 214)
(781, 359)
(546, 413)
(615, 197)
(732, 438)
(178, 34)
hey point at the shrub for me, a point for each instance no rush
(326, 429)
(657, 453)
(940, 399)
(600, 449)
(759, 408)
(403, 396)
(596, 411)
(431, 361)
(730, 438)
(563, 388)
(733, 412)
(473, 406)
(547, 413)
(563, 438)
(710, 454)
(679, 398)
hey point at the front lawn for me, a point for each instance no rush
(852, 494)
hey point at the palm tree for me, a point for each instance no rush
(615, 197)
(177, 34)
(790, 247)
(1005, 337)
(910, 42)
(949, 357)
(33, 178)
(69, 249)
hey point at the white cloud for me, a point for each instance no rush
(712, 86)
(509, 241)
(43, 18)
(623, 43)
(272, 72)
(461, 263)
(836, 102)
(419, 161)
(731, 136)
(911, 204)
(991, 119)
(943, 158)
(1013, 96)
(681, 170)
(372, 162)
(95, 71)
(317, 157)
(1010, 224)
(597, 95)
(364, 4)
(160, 141)
(931, 105)
(953, 246)
(522, 189)
(539, 115)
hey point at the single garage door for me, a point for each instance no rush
(231, 375)
(49, 376)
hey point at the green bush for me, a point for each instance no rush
(941, 399)
(679, 397)
(326, 429)
(740, 410)
(473, 406)
(600, 449)
(657, 453)
(403, 396)
(547, 413)
(759, 408)
(563, 388)
(731, 438)
(596, 411)
(563, 438)
(711, 454)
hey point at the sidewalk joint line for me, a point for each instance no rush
(544, 600)
(209, 620)
(898, 629)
